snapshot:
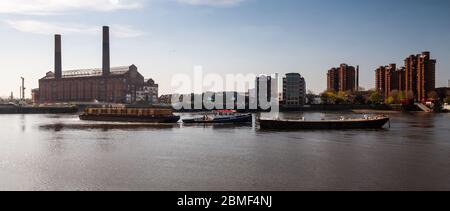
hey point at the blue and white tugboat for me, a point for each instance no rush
(222, 117)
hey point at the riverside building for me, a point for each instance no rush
(389, 78)
(416, 79)
(294, 90)
(420, 75)
(106, 84)
(343, 78)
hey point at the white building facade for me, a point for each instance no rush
(149, 92)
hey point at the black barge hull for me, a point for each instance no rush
(323, 125)
(111, 118)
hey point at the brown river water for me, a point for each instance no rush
(59, 152)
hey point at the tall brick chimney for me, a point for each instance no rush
(106, 59)
(357, 78)
(58, 60)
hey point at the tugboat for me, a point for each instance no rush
(222, 116)
(141, 115)
(376, 122)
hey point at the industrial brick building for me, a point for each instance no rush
(106, 84)
(149, 92)
(120, 85)
(416, 79)
(343, 78)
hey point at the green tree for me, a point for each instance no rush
(401, 96)
(328, 97)
(393, 97)
(447, 100)
(390, 100)
(341, 98)
(375, 98)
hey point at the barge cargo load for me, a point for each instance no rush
(142, 115)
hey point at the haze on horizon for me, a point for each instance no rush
(167, 37)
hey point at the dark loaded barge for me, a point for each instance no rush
(341, 124)
(141, 115)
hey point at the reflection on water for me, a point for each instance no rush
(248, 126)
(311, 115)
(106, 126)
(23, 123)
(59, 152)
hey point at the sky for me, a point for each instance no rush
(167, 37)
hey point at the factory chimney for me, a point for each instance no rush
(58, 60)
(357, 78)
(106, 59)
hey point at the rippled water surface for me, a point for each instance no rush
(59, 152)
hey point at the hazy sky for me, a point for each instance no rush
(165, 37)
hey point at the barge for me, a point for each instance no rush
(377, 122)
(141, 115)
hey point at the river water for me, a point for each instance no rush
(59, 152)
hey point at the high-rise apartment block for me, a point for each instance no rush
(426, 76)
(389, 78)
(416, 79)
(343, 78)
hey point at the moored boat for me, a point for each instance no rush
(365, 123)
(142, 115)
(221, 117)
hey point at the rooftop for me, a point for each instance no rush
(93, 72)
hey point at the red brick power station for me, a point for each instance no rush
(106, 84)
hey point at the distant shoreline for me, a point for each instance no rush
(371, 111)
(375, 109)
(318, 108)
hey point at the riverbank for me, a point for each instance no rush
(347, 107)
(371, 111)
(14, 109)
(313, 108)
